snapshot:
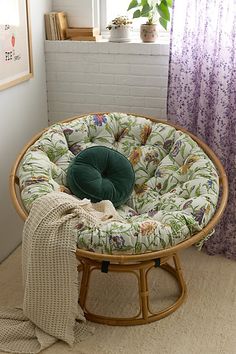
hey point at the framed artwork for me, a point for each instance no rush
(15, 43)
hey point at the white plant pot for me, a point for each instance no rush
(120, 34)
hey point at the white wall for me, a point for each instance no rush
(23, 112)
(87, 77)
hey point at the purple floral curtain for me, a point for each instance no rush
(202, 92)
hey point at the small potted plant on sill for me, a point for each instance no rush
(152, 10)
(120, 29)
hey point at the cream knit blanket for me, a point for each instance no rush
(50, 307)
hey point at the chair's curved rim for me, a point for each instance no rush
(124, 258)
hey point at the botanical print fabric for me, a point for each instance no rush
(176, 184)
(202, 92)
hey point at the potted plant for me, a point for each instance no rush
(120, 29)
(152, 10)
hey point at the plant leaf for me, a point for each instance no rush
(169, 3)
(137, 14)
(163, 10)
(163, 22)
(145, 10)
(133, 3)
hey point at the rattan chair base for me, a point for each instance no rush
(141, 270)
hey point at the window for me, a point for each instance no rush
(109, 9)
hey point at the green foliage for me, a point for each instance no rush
(163, 10)
(152, 9)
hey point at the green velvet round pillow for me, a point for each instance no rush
(100, 173)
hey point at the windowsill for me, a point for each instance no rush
(160, 47)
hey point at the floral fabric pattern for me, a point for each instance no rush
(176, 184)
(99, 119)
(202, 93)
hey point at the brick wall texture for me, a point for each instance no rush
(85, 77)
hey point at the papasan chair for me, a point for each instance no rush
(174, 203)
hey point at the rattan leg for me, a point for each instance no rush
(143, 293)
(84, 284)
(179, 270)
(141, 270)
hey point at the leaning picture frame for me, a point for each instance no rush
(16, 64)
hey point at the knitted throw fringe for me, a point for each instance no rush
(50, 307)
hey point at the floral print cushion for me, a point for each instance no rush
(176, 184)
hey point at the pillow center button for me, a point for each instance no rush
(104, 174)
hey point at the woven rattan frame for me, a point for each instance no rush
(142, 263)
(141, 271)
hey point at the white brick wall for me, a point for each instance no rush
(85, 77)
